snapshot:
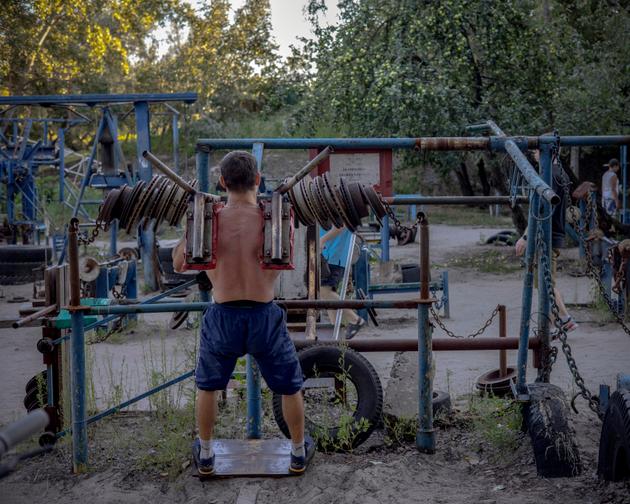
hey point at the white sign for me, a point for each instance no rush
(363, 168)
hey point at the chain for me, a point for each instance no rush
(93, 235)
(561, 331)
(451, 334)
(399, 225)
(119, 294)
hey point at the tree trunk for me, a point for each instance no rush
(483, 177)
(464, 180)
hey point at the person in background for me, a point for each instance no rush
(610, 188)
(557, 242)
(335, 247)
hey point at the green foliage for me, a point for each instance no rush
(498, 421)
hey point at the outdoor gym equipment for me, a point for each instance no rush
(105, 168)
(541, 199)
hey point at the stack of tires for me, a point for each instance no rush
(18, 262)
(36, 392)
(169, 277)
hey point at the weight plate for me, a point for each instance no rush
(345, 212)
(302, 205)
(153, 205)
(331, 210)
(166, 204)
(331, 195)
(319, 198)
(374, 200)
(296, 207)
(138, 206)
(351, 212)
(129, 196)
(183, 203)
(107, 208)
(358, 199)
(320, 215)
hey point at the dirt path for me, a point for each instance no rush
(466, 468)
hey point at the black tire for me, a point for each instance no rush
(35, 398)
(614, 443)
(25, 253)
(332, 360)
(553, 440)
(33, 382)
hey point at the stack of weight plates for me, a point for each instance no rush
(344, 204)
(158, 201)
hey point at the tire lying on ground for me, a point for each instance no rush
(553, 440)
(326, 362)
(36, 392)
(614, 443)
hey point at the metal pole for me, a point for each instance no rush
(385, 239)
(502, 334)
(528, 289)
(413, 199)
(146, 235)
(79, 425)
(61, 143)
(543, 299)
(175, 141)
(446, 306)
(254, 395)
(344, 285)
(624, 186)
(113, 237)
(425, 436)
(312, 239)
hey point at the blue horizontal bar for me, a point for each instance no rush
(588, 140)
(109, 319)
(95, 99)
(133, 400)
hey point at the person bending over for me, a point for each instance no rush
(243, 318)
(335, 247)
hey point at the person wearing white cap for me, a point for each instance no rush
(610, 188)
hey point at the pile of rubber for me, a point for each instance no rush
(319, 200)
(159, 200)
(19, 262)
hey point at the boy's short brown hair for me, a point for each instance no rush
(239, 169)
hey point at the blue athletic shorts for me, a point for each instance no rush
(231, 330)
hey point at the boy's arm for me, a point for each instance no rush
(333, 233)
(178, 255)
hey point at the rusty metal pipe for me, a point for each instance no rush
(308, 168)
(149, 156)
(411, 345)
(34, 316)
(73, 262)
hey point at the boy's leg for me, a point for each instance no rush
(206, 413)
(349, 316)
(293, 413)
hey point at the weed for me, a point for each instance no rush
(399, 430)
(497, 420)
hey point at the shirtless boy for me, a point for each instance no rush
(243, 318)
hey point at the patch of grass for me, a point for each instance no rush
(498, 421)
(488, 261)
(466, 216)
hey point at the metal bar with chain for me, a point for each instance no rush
(451, 334)
(561, 332)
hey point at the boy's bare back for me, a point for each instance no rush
(238, 275)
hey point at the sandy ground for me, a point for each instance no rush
(464, 469)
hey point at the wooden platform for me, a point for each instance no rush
(250, 458)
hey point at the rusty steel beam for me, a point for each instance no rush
(411, 345)
(34, 316)
(453, 200)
